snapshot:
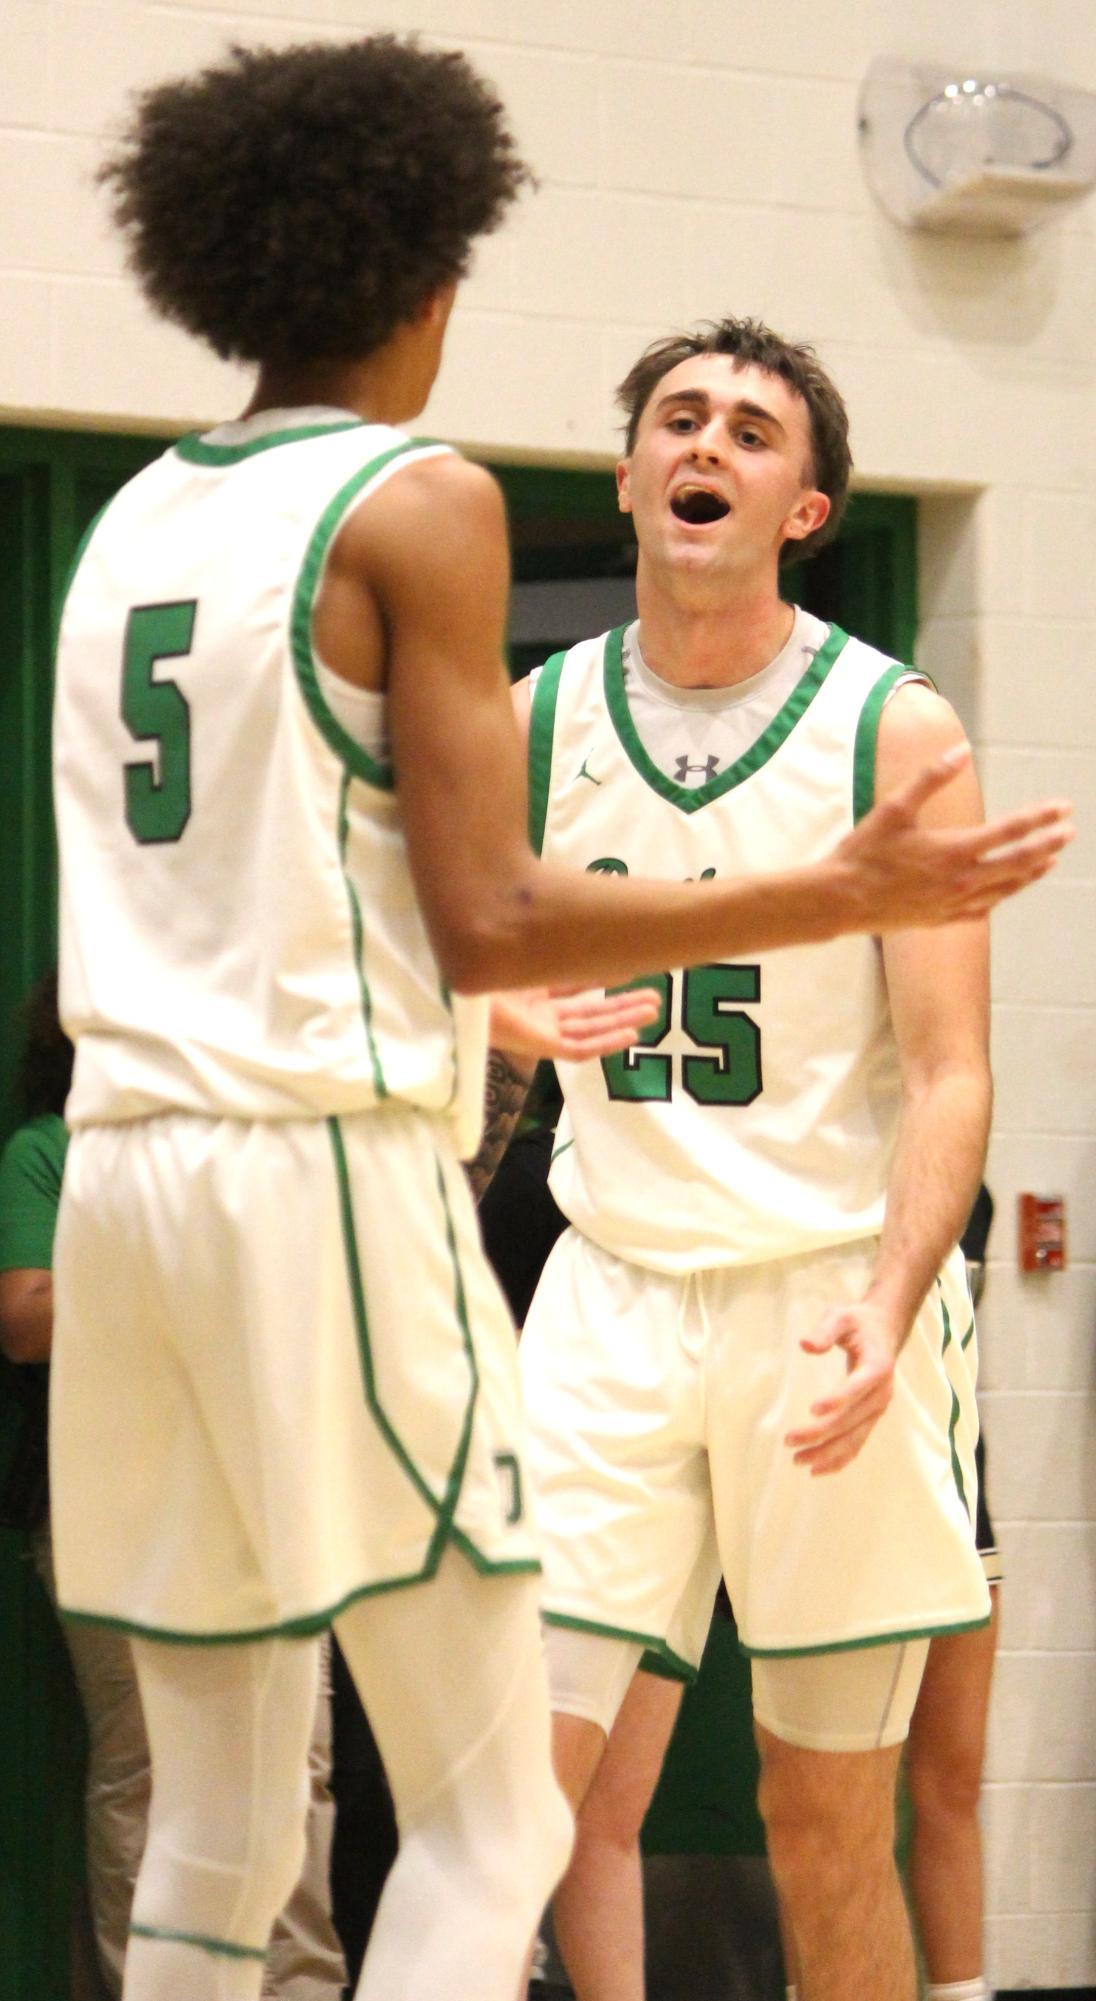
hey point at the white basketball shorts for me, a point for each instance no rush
(657, 1409)
(283, 1373)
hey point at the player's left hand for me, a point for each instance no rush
(569, 1024)
(841, 1422)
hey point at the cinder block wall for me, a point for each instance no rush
(696, 157)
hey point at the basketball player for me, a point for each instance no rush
(292, 829)
(754, 1347)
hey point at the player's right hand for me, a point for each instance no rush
(906, 875)
(570, 1024)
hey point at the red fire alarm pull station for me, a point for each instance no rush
(1042, 1233)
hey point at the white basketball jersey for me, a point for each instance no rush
(756, 1117)
(240, 934)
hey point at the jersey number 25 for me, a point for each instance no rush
(729, 1073)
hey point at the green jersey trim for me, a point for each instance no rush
(346, 748)
(872, 1640)
(956, 1469)
(460, 1303)
(690, 799)
(303, 1628)
(357, 926)
(542, 723)
(223, 1946)
(309, 1624)
(653, 1663)
(867, 734)
(511, 1566)
(197, 451)
(444, 1508)
(677, 1668)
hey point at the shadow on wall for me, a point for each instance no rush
(988, 290)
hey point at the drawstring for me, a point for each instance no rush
(695, 1350)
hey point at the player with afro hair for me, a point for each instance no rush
(291, 203)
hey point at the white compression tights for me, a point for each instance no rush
(457, 1693)
(452, 1676)
(228, 1729)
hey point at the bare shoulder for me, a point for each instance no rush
(916, 726)
(427, 504)
(917, 718)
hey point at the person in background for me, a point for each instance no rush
(304, 1961)
(946, 1749)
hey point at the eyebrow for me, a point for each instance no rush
(700, 400)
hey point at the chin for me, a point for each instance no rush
(696, 556)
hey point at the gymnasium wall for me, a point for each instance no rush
(699, 156)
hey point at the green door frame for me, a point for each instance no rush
(52, 484)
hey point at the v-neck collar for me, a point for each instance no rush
(691, 798)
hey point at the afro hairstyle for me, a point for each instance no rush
(300, 204)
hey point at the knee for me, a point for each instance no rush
(278, 1854)
(503, 1825)
(802, 1833)
(820, 1838)
(611, 1816)
(943, 1786)
(226, 1875)
(243, 1901)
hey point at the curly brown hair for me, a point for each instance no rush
(299, 204)
(751, 343)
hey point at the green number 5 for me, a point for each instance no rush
(157, 789)
(733, 1077)
(730, 1074)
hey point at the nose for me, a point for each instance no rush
(710, 444)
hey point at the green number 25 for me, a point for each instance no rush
(157, 712)
(729, 1074)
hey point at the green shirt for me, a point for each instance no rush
(31, 1166)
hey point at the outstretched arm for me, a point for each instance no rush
(938, 986)
(430, 552)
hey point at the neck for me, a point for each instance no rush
(711, 645)
(378, 389)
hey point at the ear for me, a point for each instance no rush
(810, 511)
(623, 483)
(436, 309)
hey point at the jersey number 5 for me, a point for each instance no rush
(157, 712)
(729, 1075)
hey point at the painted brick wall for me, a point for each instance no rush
(698, 156)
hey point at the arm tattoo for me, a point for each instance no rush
(508, 1081)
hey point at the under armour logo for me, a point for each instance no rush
(583, 773)
(706, 771)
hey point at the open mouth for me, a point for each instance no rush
(698, 505)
